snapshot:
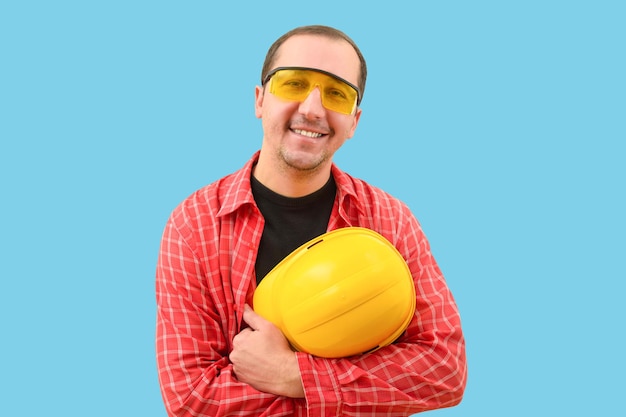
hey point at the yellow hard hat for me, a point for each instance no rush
(343, 293)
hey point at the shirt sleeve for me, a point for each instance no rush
(193, 340)
(424, 369)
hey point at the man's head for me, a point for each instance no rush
(307, 101)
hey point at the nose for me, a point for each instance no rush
(312, 106)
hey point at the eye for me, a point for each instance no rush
(295, 83)
(336, 94)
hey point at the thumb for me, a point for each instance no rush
(253, 319)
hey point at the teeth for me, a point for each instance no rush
(307, 133)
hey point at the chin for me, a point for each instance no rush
(302, 161)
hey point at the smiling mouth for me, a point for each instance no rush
(308, 133)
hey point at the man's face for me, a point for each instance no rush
(304, 136)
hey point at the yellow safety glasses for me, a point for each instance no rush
(296, 83)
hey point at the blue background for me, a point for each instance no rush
(501, 124)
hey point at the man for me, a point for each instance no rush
(215, 355)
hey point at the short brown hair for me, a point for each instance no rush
(320, 30)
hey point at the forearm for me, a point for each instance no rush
(400, 379)
(202, 383)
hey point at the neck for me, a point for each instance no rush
(291, 182)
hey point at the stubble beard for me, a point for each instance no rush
(304, 165)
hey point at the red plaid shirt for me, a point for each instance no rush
(205, 275)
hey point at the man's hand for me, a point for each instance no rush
(262, 358)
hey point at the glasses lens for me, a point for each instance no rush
(297, 84)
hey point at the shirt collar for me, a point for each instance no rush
(237, 190)
(346, 191)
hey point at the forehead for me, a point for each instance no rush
(336, 56)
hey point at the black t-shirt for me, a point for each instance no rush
(289, 222)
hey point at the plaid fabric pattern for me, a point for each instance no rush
(205, 275)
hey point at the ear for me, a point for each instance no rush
(355, 122)
(259, 95)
